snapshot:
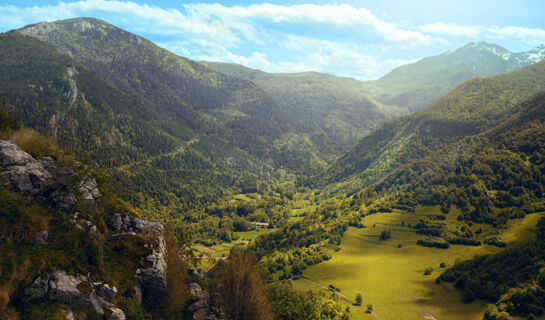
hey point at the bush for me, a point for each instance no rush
(433, 243)
(359, 299)
(385, 235)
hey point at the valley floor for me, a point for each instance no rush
(391, 277)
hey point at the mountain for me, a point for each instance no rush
(334, 105)
(199, 99)
(416, 85)
(474, 107)
(347, 109)
(174, 134)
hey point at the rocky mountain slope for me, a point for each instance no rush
(68, 248)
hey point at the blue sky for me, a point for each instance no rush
(360, 39)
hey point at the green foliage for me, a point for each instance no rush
(492, 313)
(437, 139)
(290, 304)
(302, 243)
(433, 243)
(359, 299)
(507, 278)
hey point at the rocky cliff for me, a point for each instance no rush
(85, 268)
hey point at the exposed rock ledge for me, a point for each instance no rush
(35, 178)
(77, 291)
(152, 278)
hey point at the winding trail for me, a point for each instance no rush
(342, 295)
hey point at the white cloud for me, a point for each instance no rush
(357, 21)
(231, 24)
(527, 35)
(450, 29)
(531, 36)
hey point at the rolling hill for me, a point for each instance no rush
(333, 105)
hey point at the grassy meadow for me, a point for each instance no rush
(390, 273)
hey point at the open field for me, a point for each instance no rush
(209, 254)
(392, 277)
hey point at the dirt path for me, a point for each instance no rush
(341, 295)
(426, 313)
(178, 150)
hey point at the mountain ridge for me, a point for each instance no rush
(474, 107)
(417, 85)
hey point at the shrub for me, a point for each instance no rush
(385, 235)
(433, 243)
(359, 299)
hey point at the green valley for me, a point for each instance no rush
(139, 184)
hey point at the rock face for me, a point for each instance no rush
(25, 174)
(152, 276)
(130, 224)
(89, 190)
(76, 291)
(46, 181)
(153, 279)
(199, 307)
(34, 178)
(12, 155)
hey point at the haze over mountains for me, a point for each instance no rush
(345, 108)
(417, 85)
(453, 143)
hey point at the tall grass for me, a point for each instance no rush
(32, 142)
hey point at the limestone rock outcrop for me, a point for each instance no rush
(76, 291)
(41, 179)
(24, 173)
(133, 225)
(89, 190)
(152, 275)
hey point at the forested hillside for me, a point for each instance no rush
(481, 174)
(223, 109)
(175, 135)
(474, 107)
(336, 106)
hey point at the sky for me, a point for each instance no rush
(359, 39)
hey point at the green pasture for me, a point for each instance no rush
(390, 274)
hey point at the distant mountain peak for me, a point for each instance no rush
(80, 24)
(535, 55)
